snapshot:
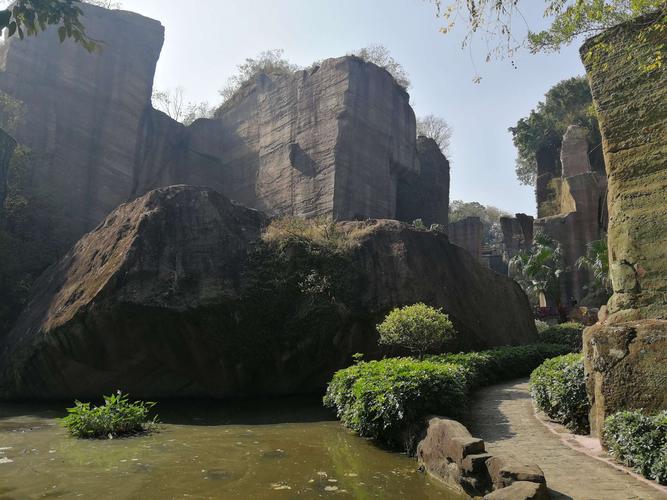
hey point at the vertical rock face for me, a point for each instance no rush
(630, 101)
(333, 141)
(425, 194)
(574, 152)
(7, 145)
(517, 234)
(625, 356)
(83, 110)
(467, 233)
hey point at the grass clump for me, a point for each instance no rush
(570, 334)
(118, 416)
(417, 328)
(559, 390)
(387, 400)
(639, 441)
(320, 232)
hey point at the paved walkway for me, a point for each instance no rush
(503, 416)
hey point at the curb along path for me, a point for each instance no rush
(502, 415)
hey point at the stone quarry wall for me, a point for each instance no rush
(624, 355)
(467, 233)
(7, 146)
(517, 234)
(336, 140)
(424, 194)
(176, 294)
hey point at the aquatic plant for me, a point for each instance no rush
(118, 416)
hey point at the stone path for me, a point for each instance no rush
(503, 416)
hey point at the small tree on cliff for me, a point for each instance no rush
(380, 55)
(437, 129)
(172, 102)
(418, 328)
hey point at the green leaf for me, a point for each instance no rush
(62, 33)
(12, 28)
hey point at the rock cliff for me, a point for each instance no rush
(7, 146)
(335, 140)
(178, 294)
(625, 355)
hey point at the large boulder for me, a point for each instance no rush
(178, 294)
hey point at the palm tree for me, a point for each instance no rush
(596, 261)
(538, 269)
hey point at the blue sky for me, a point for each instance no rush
(207, 39)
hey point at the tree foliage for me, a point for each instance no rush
(30, 17)
(496, 21)
(380, 55)
(569, 102)
(268, 62)
(538, 268)
(418, 328)
(596, 261)
(437, 129)
(173, 103)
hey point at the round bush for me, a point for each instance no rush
(569, 334)
(418, 328)
(639, 441)
(559, 390)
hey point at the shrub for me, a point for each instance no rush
(639, 441)
(541, 325)
(418, 328)
(117, 417)
(570, 334)
(388, 399)
(503, 363)
(559, 390)
(381, 399)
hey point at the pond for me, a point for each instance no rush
(287, 448)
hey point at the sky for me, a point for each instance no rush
(205, 40)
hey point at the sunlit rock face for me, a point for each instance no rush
(625, 355)
(177, 294)
(334, 140)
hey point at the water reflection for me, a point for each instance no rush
(287, 448)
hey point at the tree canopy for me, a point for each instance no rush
(380, 55)
(502, 24)
(569, 102)
(437, 129)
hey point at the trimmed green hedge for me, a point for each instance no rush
(387, 400)
(559, 390)
(570, 334)
(639, 441)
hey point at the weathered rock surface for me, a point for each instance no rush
(574, 152)
(630, 102)
(451, 454)
(335, 140)
(625, 361)
(175, 294)
(467, 233)
(626, 368)
(7, 146)
(517, 234)
(83, 111)
(425, 194)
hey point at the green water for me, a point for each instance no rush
(269, 449)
